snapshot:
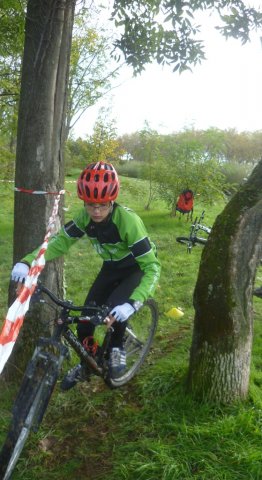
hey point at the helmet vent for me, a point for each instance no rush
(103, 192)
(87, 191)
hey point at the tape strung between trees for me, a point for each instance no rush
(16, 313)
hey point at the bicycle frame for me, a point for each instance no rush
(62, 330)
(197, 225)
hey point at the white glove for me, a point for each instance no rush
(122, 312)
(19, 272)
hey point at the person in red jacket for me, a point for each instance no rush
(130, 270)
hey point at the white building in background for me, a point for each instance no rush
(126, 157)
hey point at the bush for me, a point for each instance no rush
(236, 173)
(130, 169)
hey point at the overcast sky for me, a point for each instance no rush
(225, 91)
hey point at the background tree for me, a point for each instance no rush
(103, 143)
(234, 163)
(12, 15)
(149, 142)
(91, 67)
(242, 148)
(186, 165)
(76, 154)
(131, 143)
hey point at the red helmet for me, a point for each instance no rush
(98, 183)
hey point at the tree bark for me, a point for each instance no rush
(40, 162)
(223, 327)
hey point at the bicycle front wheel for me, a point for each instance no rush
(30, 405)
(139, 336)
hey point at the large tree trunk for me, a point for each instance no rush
(222, 338)
(39, 163)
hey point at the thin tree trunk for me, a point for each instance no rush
(223, 329)
(40, 163)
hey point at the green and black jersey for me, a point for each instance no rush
(121, 241)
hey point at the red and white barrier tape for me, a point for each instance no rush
(37, 192)
(15, 315)
(29, 191)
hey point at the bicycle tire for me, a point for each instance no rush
(139, 336)
(183, 240)
(29, 408)
(193, 241)
(200, 240)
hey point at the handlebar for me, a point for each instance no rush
(67, 304)
(99, 312)
(198, 221)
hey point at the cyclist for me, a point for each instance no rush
(130, 269)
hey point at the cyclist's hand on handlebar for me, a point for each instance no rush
(19, 272)
(122, 312)
(109, 320)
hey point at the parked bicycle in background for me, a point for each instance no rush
(194, 237)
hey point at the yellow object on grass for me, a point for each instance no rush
(174, 313)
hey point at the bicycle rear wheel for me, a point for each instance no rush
(183, 240)
(29, 407)
(192, 242)
(200, 240)
(139, 336)
(186, 241)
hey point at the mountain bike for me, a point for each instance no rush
(43, 369)
(193, 239)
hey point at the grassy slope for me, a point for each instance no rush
(149, 429)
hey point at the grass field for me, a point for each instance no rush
(150, 429)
